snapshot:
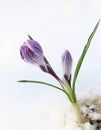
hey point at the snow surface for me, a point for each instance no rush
(90, 108)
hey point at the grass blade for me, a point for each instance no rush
(83, 55)
(40, 82)
(48, 84)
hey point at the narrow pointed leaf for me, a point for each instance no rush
(83, 55)
(48, 84)
(30, 37)
(40, 82)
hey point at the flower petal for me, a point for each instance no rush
(32, 52)
(67, 64)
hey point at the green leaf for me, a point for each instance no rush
(44, 83)
(83, 55)
(30, 37)
(40, 82)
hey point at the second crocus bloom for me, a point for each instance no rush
(66, 61)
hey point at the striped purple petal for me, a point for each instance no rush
(67, 65)
(31, 52)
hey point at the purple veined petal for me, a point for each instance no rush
(31, 52)
(67, 64)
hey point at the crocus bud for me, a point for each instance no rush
(67, 65)
(31, 52)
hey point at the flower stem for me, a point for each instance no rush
(77, 113)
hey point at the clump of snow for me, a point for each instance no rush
(90, 108)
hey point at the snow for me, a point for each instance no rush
(90, 108)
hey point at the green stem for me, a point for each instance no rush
(77, 113)
(69, 90)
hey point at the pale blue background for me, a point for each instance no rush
(56, 25)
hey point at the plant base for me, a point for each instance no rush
(90, 108)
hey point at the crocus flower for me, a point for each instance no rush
(31, 52)
(67, 65)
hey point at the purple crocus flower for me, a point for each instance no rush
(67, 65)
(31, 52)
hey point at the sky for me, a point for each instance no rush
(57, 25)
